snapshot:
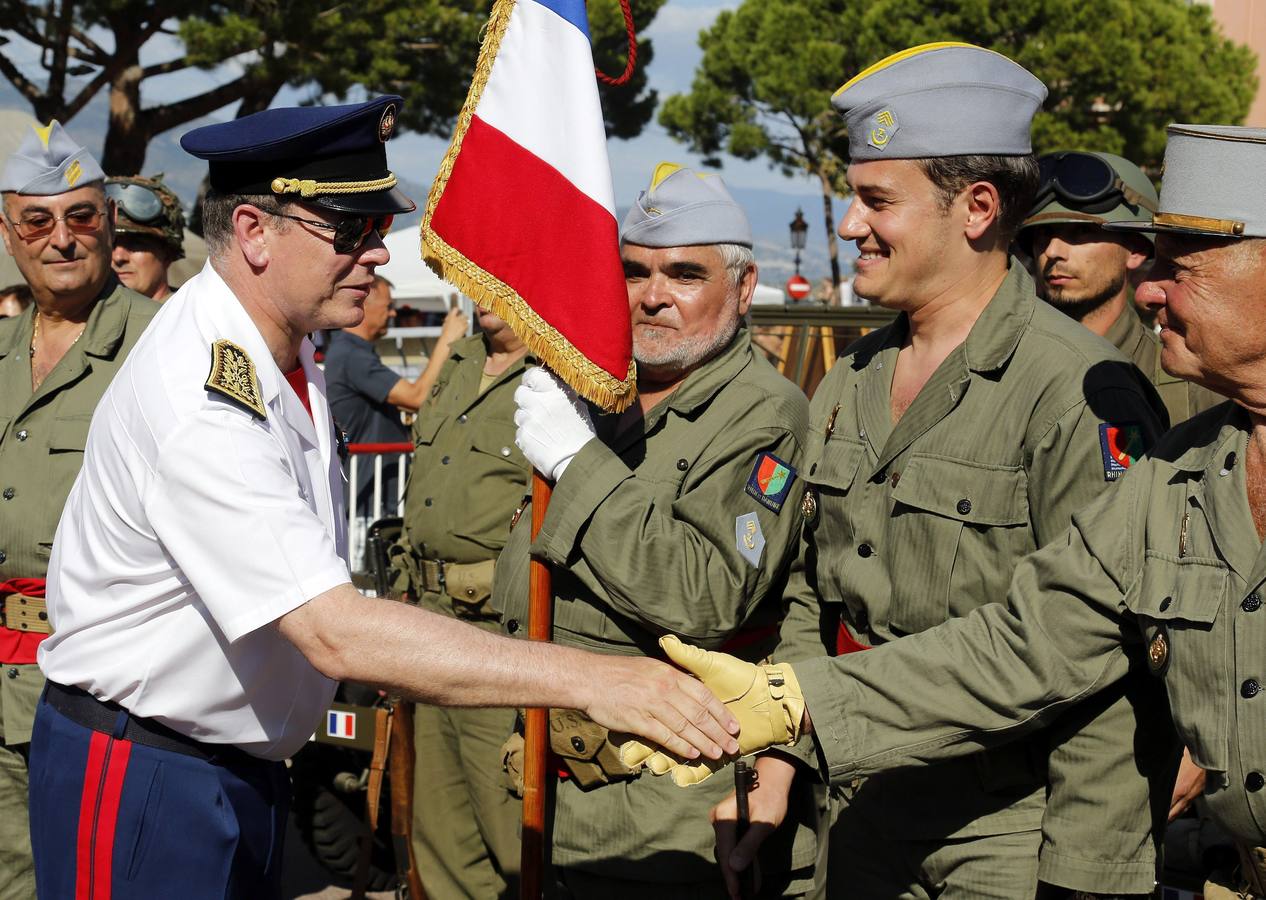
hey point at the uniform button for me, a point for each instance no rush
(578, 745)
(426, 502)
(1251, 603)
(22, 435)
(864, 550)
(444, 461)
(682, 465)
(896, 476)
(963, 507)
(8, 493)
(470, 592)
(505, 451)
(862, 434)
(1254, 782)
(512, 626)
(12, 673)
(1166, 603)
(1250, 689)
(878, 478)
(463, 418)
(3, 557)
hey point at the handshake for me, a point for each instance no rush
(766, 700)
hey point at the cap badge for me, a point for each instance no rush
(884, 127)
(73, 173)
(387, 123)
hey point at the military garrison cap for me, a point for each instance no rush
(330, 156)
(49, 162)
(942, 99)
(683, 207)
(1213, 183)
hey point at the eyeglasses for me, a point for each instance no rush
(1084, 179)
(35, 225)
(138, 203)
(350, 232)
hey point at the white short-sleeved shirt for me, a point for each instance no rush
(193, 526)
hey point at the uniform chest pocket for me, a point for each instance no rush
(833, 464)
(497, 441)
(426, 428)
(957, 528)
(1187, 643)
(69, 434)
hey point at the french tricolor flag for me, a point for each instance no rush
(521, 216)
(340, 724)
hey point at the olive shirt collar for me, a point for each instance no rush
(990, 344)
(697, 390)
(1129, 335)
(101, 337)
(474, 347)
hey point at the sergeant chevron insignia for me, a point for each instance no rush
(233, 375)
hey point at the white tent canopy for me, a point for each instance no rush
(412, 281)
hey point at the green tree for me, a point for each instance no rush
(1118, 72)
(422, 49)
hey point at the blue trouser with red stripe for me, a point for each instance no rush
(116, 820)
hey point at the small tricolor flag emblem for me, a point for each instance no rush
(340, 724)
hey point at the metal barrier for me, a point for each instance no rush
(377, 505)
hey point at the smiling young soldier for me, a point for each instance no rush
(199, 588)
(1167, 572)
(56, 359)
(679, 517)
(1087, 272)
(942, 449)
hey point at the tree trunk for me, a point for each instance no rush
(127, 138)
(832, 245)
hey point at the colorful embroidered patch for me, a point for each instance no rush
(749, 540)
(770, 481)
(1121, 445)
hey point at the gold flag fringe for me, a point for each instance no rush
(588, 379)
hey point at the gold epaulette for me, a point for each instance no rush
(233, 375)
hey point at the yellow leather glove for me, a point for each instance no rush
(766, 700)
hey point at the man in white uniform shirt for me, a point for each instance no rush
(199, 594)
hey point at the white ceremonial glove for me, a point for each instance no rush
(553, 423)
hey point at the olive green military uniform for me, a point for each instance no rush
(466, 480)
(923, 521)
(663, 528)
(1142, 347)
(42, 438)
(1166, 574)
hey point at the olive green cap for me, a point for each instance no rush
(169, 226)
(1137, 195)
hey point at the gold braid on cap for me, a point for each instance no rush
(308, 188)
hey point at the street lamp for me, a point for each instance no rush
(799, 228)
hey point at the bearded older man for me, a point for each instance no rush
(679, 517)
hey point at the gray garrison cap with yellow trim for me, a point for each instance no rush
(942, 99)
(1213, 183)
(682, 208)
(49, 162)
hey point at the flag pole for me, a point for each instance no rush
(532, 863)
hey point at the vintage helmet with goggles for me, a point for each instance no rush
(1096, 188)
(147, 206)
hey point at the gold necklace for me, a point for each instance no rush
(35, 331)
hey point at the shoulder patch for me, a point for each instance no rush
(749, 540)
(770, 481)
(233, 375)
(1121, 446)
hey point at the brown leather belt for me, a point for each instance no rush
(22, 613)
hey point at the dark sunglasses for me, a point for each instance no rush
(1084, 180)
(138, 203)
(35, 225)
(350, 232)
